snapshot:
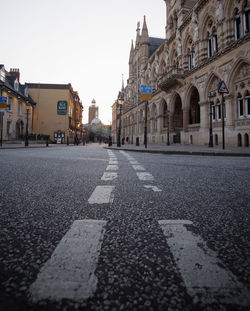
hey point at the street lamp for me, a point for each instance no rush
(211, 96)
(27, 125)
(120, 103)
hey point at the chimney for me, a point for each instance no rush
(14, 72)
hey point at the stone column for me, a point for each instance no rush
(171, 122)
(204, 114)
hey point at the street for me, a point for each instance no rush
(88, 228)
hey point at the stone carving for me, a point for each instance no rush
(243, 72)
(219, 12)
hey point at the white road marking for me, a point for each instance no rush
(101, 195)
(138, 168)
(145, 176)
(203, 273)
(109, 176)
(112, 162)
(112, 168)
(134, 162)
(154, 188)
(70, 272)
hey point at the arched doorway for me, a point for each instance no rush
(239, 140)
(178, 119)
(246, 138)
(194, 111)
(19, 129)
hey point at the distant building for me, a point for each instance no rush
(58, 111)
(93, 112)
(20, 106)
(207, 41)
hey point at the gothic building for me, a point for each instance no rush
(207, 41)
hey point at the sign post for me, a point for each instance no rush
(222, 89)
(3, 106)
(146, 95)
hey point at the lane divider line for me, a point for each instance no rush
(70, 272)
(102, 195)
(204, 276)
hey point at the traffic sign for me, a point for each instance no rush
(222, 88)
(146, 92)
(3, 100)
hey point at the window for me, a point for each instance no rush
(247, 103)
(10, 103)
(20, 111)
(215, 41)
(237, 25)
(213, 111)
(240, 106)
(191, 59)
(218, 110)
(246, 18)
(209, 45)
(16, 85)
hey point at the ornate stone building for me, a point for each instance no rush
(207, 41)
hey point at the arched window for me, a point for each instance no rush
(213, 111)
(246, 18)
(247, 104)
(218, 109)
(239, 140)
(209, 45)
(215, 41)
(237, 25)
(246, 138)
(240, 106)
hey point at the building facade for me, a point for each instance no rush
(20, 106)
(207, 41)
(93, 111)
(58, 111)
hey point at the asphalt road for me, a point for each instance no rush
(83, 228)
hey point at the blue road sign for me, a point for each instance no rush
(146, 89)
(3, 100)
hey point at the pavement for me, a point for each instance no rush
(153, 148)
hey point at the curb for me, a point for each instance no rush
(198, 153)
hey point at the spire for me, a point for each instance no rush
(144, 35)
(131, 53)
(138, 36)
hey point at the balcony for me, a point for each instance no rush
(170, 79)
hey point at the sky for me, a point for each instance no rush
(82, 42)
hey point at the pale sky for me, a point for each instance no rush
(82, 42)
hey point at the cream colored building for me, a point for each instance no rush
(58, 111)
(207, 41)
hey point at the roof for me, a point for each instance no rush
(154, 43)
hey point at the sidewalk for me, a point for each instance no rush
(186, 149)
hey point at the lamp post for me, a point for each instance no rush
(27, 125)
(211, 96)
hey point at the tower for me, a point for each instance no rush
(93, 111)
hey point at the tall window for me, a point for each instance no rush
(20, 111)
(215, 41)
(247, 103)
(246, 18)
(240, 106)
(218, 110)
(8, 127)
(10, 103)
(237, 25)
(213, 111)
(191, 59)
(209, 45)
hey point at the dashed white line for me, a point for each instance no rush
(154, 188)
(112, 168)
(112, 162)
(134, 162)
(101, 195)
(145, 176)
(201, 270)
(138, 168)
(109, 176)
(70, 272)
